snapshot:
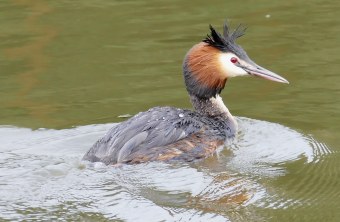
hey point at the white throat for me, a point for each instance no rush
(232, 123)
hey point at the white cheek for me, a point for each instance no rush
(229, 68)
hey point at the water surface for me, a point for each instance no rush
(70, 68)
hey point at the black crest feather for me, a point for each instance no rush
(227, 41)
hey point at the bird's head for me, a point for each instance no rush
(209, 64)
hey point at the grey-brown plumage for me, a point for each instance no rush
(161, 133)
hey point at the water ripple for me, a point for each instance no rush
(42, 178)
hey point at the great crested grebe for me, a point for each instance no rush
(168, 133)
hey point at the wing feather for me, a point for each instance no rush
(157, 127)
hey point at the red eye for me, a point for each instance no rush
(233, 60)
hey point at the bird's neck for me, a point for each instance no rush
(214, 107)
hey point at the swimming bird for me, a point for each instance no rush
(173, 134)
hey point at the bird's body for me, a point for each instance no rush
(167, 133)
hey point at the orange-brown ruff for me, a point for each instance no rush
(173, 134)
(203, 62)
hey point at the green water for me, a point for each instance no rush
(76, 63)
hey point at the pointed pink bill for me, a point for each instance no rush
(256, 70)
